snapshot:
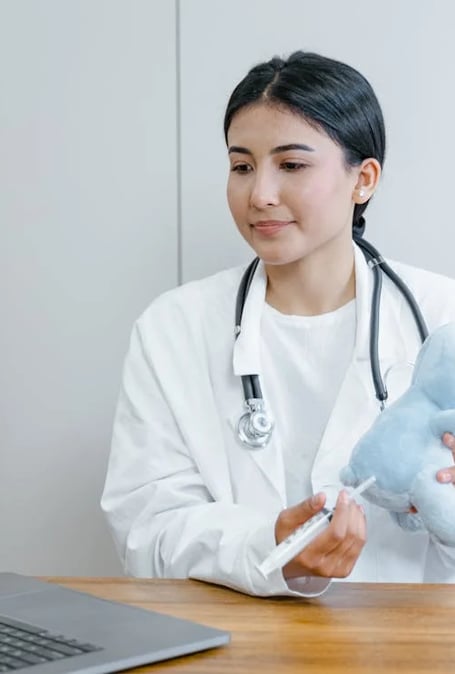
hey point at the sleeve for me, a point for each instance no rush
(440, 563)
(164, 520)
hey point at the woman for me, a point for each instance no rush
(184, 496)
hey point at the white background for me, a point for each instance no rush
(112, 189)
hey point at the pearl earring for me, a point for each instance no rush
(361, 193)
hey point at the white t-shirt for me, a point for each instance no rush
(304, 360)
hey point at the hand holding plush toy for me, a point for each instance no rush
(403, 449)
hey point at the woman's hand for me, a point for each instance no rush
(448, 474)
(334, 552)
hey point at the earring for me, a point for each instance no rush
(361, 193)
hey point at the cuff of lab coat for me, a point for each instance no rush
(308, 586)
(260, 545)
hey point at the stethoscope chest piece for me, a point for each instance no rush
(255, 428)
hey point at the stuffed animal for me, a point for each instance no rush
(403, 448)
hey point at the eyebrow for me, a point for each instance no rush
(276, 150)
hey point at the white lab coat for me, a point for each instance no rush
(184, 499)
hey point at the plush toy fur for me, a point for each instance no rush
(403, 448)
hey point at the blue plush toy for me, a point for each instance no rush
(403, 448)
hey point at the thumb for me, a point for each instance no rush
(306, 509)
(293, 517)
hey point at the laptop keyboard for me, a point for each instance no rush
(23, 645)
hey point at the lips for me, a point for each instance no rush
(269, 227)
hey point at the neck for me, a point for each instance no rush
(317, 284)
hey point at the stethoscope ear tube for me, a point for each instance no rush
(379, 386)
(372, 254)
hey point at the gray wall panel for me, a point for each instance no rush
(88, 237)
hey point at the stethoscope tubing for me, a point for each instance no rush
(377, 264)
(371, 252)
(250, 382)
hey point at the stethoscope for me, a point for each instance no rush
(255, 427)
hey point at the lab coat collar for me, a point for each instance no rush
(246, 358)
(246, 355)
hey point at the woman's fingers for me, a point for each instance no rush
(335, 551)
(291, 518)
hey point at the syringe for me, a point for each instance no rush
(303, 535)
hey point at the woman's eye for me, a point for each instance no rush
(292, 165)
(241, 168)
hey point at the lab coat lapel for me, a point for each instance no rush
(246, 360)
(354, 411)
(356, 405)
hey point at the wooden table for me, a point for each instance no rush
(355, 628)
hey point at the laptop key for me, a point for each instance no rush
(39, 641)
(14, 653)
(45, 652)
(23, 645)
(13, 642)
(32, 659)
(88, 648)
(13, 663)
(9, 624)
(63, 648)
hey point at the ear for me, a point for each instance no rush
(368, 175)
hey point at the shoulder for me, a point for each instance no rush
(423, 282)
(421, 277)
(183, 325)
(434, 293)
(193, 301)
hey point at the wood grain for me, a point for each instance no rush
(356, 628)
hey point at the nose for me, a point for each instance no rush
(264, 190)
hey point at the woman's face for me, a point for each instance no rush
(289, 190)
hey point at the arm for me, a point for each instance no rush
(164, 519)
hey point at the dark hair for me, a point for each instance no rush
(330, 95)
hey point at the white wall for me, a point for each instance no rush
(95, 210)
(88, 236)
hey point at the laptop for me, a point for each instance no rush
(48, 629)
